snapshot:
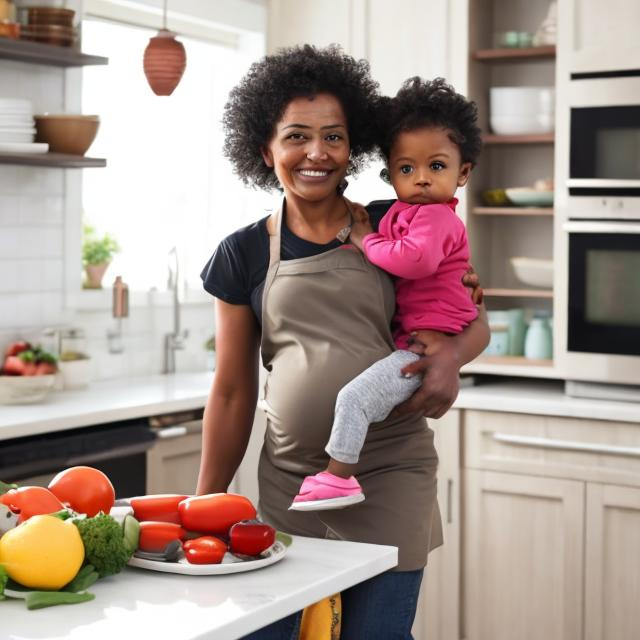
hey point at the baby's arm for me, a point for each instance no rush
(418, 254)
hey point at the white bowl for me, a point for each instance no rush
(526, 197)
(517, 125)
(25, 389)
(521, 101)
(533, 271)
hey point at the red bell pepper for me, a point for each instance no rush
(215, 513)
(204, 550)
(251, 537)
(155, 536)
(31, 501)
(160, 508)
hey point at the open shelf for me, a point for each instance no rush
(529, 138)
(518, 293)
(512, 211)
(506, 55)
(59, 160)
(511, 365)
(38, 53)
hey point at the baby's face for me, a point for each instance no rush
(425, 166)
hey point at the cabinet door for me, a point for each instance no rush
(523, 545)
(612, 573)
(173, 464)
(438, 610)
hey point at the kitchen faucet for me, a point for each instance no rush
(174, 340)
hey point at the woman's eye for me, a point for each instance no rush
(295, 136)
(406, 169)
(334, 137)
(437, 166)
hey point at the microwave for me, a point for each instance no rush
(602, 304)
(604, 145)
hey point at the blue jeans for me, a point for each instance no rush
(382, 608)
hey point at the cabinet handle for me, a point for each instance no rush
(172, 432)
(566, 445)
(449, 501)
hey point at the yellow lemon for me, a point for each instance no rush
(42, 553)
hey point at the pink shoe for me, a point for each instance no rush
(326, 491)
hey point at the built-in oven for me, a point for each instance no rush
(603, 301)
(604, 145)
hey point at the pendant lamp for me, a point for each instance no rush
(164, 60)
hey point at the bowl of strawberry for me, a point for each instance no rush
(27, 375)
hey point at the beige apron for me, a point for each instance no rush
(325, 319)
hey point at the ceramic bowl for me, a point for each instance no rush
(521, 101)
(67, 133)
(522, 124)
(525, 197)
(25, 389)
(533, 271)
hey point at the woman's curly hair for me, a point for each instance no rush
(259, 101)
(430, 103)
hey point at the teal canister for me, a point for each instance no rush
(517, 331)
(538, 344)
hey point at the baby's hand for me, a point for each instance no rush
(360, 226)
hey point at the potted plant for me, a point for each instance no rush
(97, 253)
(210, 347)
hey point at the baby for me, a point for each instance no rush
(430, 142)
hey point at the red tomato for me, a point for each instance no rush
(84, 489)
(204, 550)
(155, 536)
(31, 501)
(215, 512)
(161, 507)
(251, 537)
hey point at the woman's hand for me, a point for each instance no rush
(360, 227)
(439, 366)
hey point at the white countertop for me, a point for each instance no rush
(129, 398)
(107, 401)
(145, 604)
(543, 398)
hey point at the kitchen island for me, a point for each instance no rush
(146, 604)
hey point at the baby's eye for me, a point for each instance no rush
(437, 166)
(406, 169)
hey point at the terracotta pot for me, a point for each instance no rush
(164, 62)
(95, 273)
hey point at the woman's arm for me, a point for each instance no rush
(440, 365)
(228, 415)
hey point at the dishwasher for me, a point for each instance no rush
(119, 449)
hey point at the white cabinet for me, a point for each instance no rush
(523, 557)
(551, 528)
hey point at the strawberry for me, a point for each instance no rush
(15, 348)
(14, 366)
(45, 368)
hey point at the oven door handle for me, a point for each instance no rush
(113, 452)
(601, 226)
(602, 183)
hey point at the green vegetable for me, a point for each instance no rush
(285, 538)
(4, 487)
(83, 580)
(131, 532)
(3, 581)
(104, 543)
(41, 599)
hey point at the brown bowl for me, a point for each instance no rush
(50, 16)
(67, 133)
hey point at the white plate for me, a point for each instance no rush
(229, 564)
(24, 147)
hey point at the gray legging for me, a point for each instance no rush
(368, 398)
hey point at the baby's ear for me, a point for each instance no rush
(465, 172)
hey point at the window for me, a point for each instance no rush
(166, 182)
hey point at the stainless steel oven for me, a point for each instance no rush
(603, 301)
(604, 145)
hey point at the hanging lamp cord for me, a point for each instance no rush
(164, 15)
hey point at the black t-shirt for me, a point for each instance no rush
(238, 267)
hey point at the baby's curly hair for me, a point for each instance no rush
(430, 103)
(258, 102)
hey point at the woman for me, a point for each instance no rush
(319, 313)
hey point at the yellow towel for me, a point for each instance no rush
(321, 621)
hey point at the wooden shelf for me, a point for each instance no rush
(59, 160)
(512, 211)
(511, 366)
(514, 360)
(510, 54)
(518, 293)
(530, 138)
(38, 53)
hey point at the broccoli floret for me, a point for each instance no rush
(104, 542)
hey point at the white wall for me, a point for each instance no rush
(40, 228)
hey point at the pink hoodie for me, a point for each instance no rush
(425, 246)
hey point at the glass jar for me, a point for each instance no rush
(73, 341)
(537, 343)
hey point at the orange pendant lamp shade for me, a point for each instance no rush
(164, 62)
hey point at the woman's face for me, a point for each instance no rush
(309, 150)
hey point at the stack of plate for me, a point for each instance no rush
(51, 25)
(17, 127)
